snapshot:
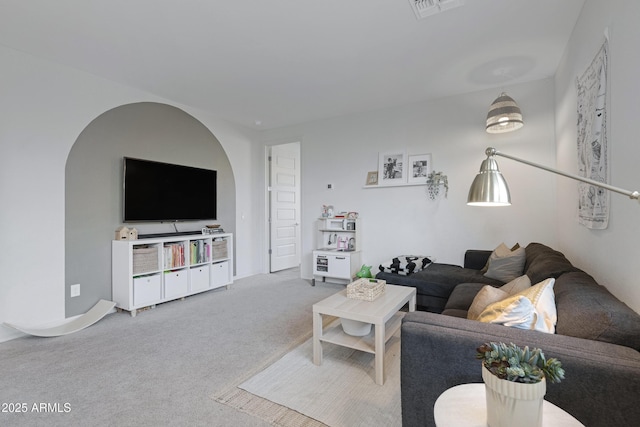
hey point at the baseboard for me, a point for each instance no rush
(8, 334)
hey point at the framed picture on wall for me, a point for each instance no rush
(392, 168)
(372, 178)
(419, 168)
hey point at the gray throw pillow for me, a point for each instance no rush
(506, 266)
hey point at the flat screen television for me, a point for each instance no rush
(155, 191)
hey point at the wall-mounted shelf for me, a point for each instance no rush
(405, 184)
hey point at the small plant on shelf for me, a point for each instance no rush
(512, 363)
(434, 181)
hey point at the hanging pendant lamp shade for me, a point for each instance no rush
(504, 115)
(489, 187)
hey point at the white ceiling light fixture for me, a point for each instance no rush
(504, 115)
(424, 8)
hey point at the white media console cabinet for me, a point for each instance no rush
(146, 272)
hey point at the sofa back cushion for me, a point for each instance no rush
(588, 310)
(542, 262)
(477, 259)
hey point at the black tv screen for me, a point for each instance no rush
(155, 191)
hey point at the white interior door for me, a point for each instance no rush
(284, 207)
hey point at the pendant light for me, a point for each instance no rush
(504, 115)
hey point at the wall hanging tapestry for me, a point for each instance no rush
(593, 161)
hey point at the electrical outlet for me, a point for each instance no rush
(330, 186)
(75, 290)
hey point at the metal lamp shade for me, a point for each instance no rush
(504, 115)
(489, 187)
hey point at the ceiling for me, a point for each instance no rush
(282, 62)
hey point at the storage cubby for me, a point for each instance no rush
(147, 272)
(200, 280)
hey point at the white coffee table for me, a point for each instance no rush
(382, 313)
(466, 406)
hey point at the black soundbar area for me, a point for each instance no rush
(177, 233)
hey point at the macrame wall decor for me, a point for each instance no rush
(592, 144)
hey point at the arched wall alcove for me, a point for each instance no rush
(93, 186)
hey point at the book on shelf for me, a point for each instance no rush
(173, 255)
(199, 252)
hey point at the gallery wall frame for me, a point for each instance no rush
(419, 167)
(372, 178)
(392, 167)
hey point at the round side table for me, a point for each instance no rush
(465, 406)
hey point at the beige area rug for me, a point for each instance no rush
(340, 393)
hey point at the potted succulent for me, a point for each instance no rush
(515, 380)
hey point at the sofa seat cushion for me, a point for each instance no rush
(588, 310)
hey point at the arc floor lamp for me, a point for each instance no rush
(489, 187)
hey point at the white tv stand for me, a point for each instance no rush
(146, 272)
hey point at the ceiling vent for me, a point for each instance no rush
(424, 8)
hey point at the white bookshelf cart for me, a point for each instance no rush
(146, 272)
(337, 253)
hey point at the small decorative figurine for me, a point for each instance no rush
(365, 272)
(122, 233)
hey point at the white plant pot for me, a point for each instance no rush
(513, 404)
(355, 328)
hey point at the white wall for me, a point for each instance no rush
(610, 255)
(401, 220)
(43, 109)
(93, 186)
(246, 161)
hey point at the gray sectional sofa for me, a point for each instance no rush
(435, 283)
(597, 340)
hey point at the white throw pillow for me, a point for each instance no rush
(489, 294)
(544, 301)
(542, 315)
(516, 311)
(486, 296)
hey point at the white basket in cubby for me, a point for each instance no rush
(366, 289)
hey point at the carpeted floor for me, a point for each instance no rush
(161, 367)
